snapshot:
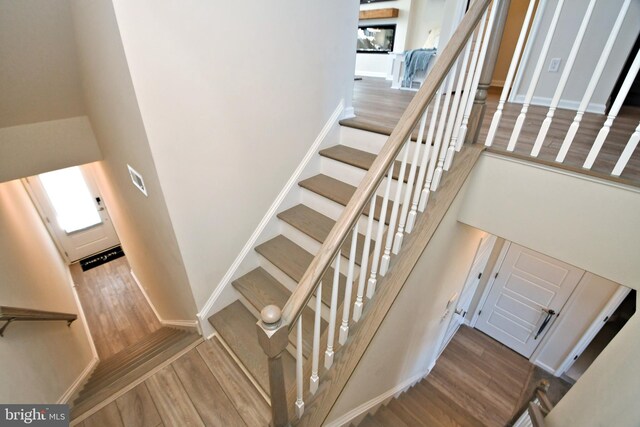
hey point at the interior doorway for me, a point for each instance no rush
(73, 211)
(609, 329)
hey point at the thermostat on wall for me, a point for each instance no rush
(137, 180)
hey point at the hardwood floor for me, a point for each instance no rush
(476, 382)
(378, 108)
(116, 310)
(204, 387)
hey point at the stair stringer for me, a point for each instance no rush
(333, 381)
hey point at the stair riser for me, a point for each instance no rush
(313, 246)
(362, 140)
(353, 176)
(289, 283)
(331, 209)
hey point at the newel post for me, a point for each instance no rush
(273, 337)
(479, 102)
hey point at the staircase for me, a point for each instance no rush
(124, 368)
(236, 324)
(421, 405)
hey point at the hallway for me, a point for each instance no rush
(116, 310)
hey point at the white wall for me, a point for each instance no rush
(408, 337)
(43, 125)
(232, 95)
(39, 78)
(602, 20)
(142, 223)
(40, 360)
(35, 148)
(606, 394)
(426, 15)
(592, 224)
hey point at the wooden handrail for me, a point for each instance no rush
(15, 314)
(372, 179)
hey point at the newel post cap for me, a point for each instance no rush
(270, 316)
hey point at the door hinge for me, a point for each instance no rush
(479, 275)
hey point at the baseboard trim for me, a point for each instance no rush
(75, 386)
(374, 403)
(190, 325)
(348, 113)
(205, 313)
(564, 103)
(373, 74)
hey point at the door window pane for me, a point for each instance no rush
(71, 199)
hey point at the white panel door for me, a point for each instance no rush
(525, 298)
(73, 211)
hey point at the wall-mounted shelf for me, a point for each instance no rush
(390, 12)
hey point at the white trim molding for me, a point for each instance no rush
(206, 311)
(75, 386)
(372, 405)
(566, 104)
(191, 325)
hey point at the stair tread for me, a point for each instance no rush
(294, 261)
(444, 407)
(111, 374)
(358, 158)
(341, 192)
(405, 414)
(88, 401)
(135, 350)
(414, 403)
(262, 289)
(317, 226)
(387, 417)
(237, 327)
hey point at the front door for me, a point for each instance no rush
(73, 211)
(525, 298)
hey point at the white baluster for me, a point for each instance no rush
(455, 106)
(299, 359)
(597, 73)
(386, 258)
(460, 128)
(515, 59)
(411, 218)
(397, 242)
(613, 113)
(315, 379)
(358, 305)
(542, 58)
(328, 354)
(546, 124)
(346, 304)
(476, 79)
(441, 128)
(626, 154)
(373, 280)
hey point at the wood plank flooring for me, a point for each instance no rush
(476, 382)
(378, 108)
(204, 387)
(116, 310)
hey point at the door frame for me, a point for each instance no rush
(494, 272)
(88, 174)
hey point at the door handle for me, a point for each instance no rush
(545, 322)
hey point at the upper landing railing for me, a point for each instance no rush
(446, 112)
(14, 314)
